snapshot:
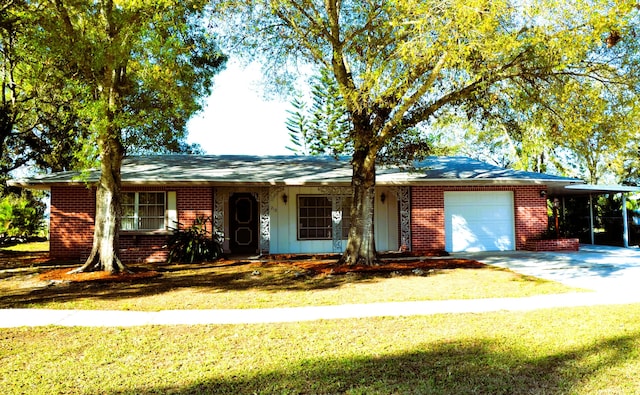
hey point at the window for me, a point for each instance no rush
(315, 220)
(143, 210)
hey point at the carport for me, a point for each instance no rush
(595, 190)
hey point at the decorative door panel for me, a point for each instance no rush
(243, 224)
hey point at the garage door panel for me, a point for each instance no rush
(487, 217)
(479, 221)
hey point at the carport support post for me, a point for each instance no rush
(593, 241)
(625, 225)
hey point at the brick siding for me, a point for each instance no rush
(73, 211)
(553, 245)
(427, 218)
(427, 214)
(72, 221)
(530, 214)
(194, 202)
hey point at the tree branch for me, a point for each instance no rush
(66, 20)
(386, 132)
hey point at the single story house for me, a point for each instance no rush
(298, 204)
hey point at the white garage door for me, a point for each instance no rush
(479, 221)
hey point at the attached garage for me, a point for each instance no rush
(479, 221)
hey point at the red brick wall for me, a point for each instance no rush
(427, 218)
(427, 214)
(71, 221)
(553, 245)
(194, 202)
(530, 214)
(73, 212)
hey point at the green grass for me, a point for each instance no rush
(594, 350)
(590, 350)
(238, 287)
(244, 285)
(29, 247)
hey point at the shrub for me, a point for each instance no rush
(194, 244)
(21, 216)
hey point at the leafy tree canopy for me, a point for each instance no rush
(402, 63)
(139, 70)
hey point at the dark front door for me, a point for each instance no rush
(243, 224)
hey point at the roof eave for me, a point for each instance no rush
(46, 185)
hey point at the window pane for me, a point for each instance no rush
(127, 224)
(314, 218)
(128, 198)
(147, 214)
(157, 211)
(151, 223)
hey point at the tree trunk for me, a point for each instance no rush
(361, 248)
(104, 253)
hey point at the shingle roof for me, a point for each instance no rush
(293, 170)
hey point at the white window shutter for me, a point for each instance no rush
(172, 210)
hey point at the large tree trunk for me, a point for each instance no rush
(361, 248)
(104, 253)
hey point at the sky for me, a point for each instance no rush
(238, 119)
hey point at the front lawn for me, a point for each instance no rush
(587, 350)
(232, 284)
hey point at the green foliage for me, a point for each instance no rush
(323, 127)
(141, 69)
(397, 66)
(330, 126)
(580, 122)
(21, 216)
(39, 125)
(162, 59)
(152, 66)
(297, 126)
(194, 244)
(389, 67)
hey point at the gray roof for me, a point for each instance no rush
(295, 170)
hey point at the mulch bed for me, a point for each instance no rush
(97, 276)
(389, 266)
(389, 262)
(320, 264)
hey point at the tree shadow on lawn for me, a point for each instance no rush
(224, 275)
(16, 260)
(488, 366)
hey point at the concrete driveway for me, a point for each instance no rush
(599, 268)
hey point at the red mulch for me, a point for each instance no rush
(318, 264)
(97, 276)
(331, 267)
(390, 262)
(335, 257)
